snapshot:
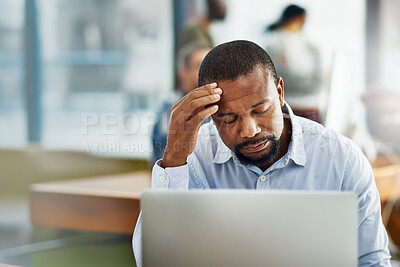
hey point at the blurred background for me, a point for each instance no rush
(81, 83)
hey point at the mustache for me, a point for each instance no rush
(255, 141)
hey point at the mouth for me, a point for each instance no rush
(256, 147)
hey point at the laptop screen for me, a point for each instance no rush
(249, 228)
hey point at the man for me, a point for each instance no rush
(298, 61)
(256, 142)
(188, 64)
(199, 29)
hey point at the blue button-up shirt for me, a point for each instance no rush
(317, 159)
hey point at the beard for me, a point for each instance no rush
(267, 158)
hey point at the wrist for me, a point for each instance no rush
(169, 160)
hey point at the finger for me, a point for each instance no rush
(197, 93)
(204, 114)
(198, 105)
(205, 90)
(208, 89)
(189, 104)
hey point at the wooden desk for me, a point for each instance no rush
(103, 204)
(112, 203)
(385, 174)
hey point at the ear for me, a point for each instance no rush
(280, 89)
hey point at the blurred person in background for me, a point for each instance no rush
(189, 60)
(198, 30)
(298, 61)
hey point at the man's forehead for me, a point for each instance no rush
(254, 85)
(229, 95)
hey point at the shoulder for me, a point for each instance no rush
(311, 129)
(194, 26)
(327, 142)
(272, 40)
(337, 156)
(190, 32)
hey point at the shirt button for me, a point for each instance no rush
(162, 179)
(263, 178)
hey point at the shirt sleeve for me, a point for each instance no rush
(137, 241)
(168, 178)
(372, 237)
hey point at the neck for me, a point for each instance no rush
(205, 22)
(291, 27)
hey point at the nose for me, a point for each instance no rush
(249, 127)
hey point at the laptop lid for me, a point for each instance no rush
(249, 228)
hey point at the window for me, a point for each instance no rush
(13, 132)
(105, 66)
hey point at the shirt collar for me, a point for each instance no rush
(223, 153)
(296, 150)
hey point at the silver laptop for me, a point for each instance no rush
(249, 228)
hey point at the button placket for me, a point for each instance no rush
(262, 182)
(162, 179)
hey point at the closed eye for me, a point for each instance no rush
(259, 112)
(230, 121)
(226, 119)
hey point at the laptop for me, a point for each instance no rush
(249, 228)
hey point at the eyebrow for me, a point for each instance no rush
(224, 114)
(231, 113)
(259, 103)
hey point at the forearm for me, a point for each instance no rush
(373, 239)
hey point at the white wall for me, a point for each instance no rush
(389, 29)
(337, 27)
